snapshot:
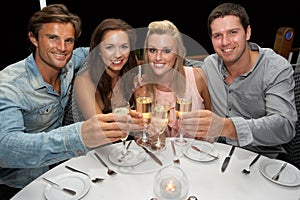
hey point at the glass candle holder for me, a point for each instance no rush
(171, 183)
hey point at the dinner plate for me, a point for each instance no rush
(290, 176)
(148, 165)
(75, 181)
(201, 156)
(138, 156)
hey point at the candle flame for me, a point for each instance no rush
(170, 187)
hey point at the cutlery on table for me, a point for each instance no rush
(67, 190)
(123, 156)
(175, 160)
(152, 155)
(276, 176)
(201, 151)
(94, 180)
(247, 170)
(109, 171)
(227, 159)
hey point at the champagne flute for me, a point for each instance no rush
(183, 104)
(159, 119)
(121, 110)
(124, 156)
(144, 101)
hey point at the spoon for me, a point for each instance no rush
(94, 180)
(109, 171)
(247, 170)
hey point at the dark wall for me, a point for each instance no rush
(187, 16)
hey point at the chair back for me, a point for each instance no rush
(293, 147)
(284, 41)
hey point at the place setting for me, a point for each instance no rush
(148, 159)
(280, 172)
(68, 186)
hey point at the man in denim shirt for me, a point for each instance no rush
(33, 96)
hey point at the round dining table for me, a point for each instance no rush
(203, 172)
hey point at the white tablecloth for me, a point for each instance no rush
(205, 178)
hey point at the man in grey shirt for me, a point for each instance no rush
(251, 88)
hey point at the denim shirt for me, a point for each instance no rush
(31, 115)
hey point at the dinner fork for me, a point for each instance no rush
(276, 176)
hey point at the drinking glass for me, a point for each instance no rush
(183, 104)
(144, 100)
(167, 106)
(159, 120)
(124, 156)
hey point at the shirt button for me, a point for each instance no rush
(79, 152)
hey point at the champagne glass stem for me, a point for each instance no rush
(181, 135)
(158, 140)
(124, 151)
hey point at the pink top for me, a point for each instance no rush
(191, 89)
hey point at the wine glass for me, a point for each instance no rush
(124, 156)
(159, 120)
(144, 100)
(183, 104)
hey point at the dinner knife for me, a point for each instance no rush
(200, 150)
(67, 190)
(227, 159)
(153, 156)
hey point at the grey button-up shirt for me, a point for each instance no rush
(260, 103)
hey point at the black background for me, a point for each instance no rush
(189, 16)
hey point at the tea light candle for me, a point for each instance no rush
(170, 188)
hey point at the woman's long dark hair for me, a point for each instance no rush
(97, 66)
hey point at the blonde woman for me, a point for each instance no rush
(165, 53)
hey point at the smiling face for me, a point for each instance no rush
(229, 38)
(161, 52)
(115, 50)
(54, 45)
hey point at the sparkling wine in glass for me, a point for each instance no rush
(183, 104)
(144, 100)
(159, 120)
